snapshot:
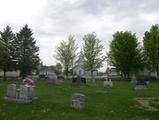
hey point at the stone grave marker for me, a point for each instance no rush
(108, 83)
(141, 83)
(24, 92)
(133, 79)
(51, 79)
(78, 101)
(28, 81)
(11, 91)
(79, 81)
(60, 78)
(32, 92)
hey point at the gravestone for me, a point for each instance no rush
(28, 81)
(108, 83)
(60, 78)
(141, 83)
(32, 92)
(11, 91)
(24, 93)
(78, 101)
(133, 79)
(79, 81)
(51, 79)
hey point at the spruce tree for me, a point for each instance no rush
(26, 51)
(7, 37)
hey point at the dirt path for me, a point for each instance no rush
(144, 102)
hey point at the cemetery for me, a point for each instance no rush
(79, 60)
(64, 101)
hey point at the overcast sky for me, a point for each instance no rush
(53, 20)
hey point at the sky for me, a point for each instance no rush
(54, 20)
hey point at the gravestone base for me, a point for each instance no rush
(17, 100)
(140, 87)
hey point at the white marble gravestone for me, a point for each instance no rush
(108, 83)
(11, 91)
(24, 92)
(51, 79)
(32, 92)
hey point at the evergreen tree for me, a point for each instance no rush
(26, 51)
(8, 61)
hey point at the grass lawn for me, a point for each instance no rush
(53, 103)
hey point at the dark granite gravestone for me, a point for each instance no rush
(79, 81)
(141, 83)
(60, 78)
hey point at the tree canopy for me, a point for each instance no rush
(92, 53)
(26, 51)
(151, 48)
(125, 53)
(7, 37)
(66, 54)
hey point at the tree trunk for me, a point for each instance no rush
(157, 70)
(92, 77)
(66, 72)
(4, 74)
(128, 77)
(124, 75)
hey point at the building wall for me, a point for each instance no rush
(11, 73)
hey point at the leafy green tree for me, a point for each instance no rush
(26, 51)
(151, 48)
(7, 36)
(66, 54)
(125, 53)
(92, 53)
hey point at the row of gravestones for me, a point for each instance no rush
(140, 83)
(53, 79)
(77, 81)
(25, 93)
(78, 100)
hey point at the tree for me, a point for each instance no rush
(125, 53)
(3, 50)
(92, 53)
(26, 51)
(66, 54)
(151, 48)
(7, 36)
(58, 68)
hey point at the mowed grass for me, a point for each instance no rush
(53, 103)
